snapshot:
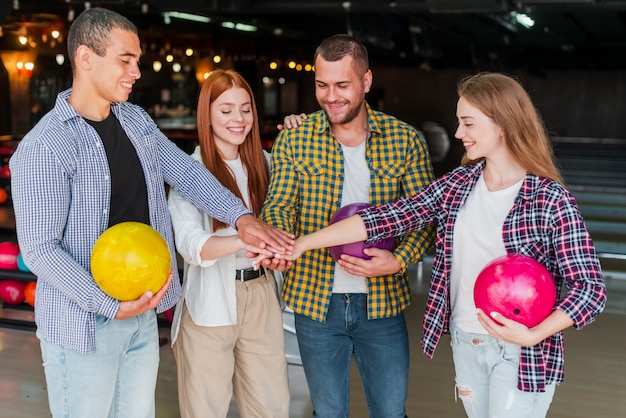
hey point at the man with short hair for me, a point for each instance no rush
(348, 153)
(94, 161)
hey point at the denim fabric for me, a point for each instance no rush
(117, 381)
(380, 348)
(487, 367)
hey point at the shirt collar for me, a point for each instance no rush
(67, 112)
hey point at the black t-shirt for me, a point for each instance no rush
(129, 196)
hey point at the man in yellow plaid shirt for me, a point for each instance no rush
(342, 154)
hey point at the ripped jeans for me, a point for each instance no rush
(486, 378)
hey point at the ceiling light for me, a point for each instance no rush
(184, 16)
(245, 27)
(239, 26)
(523, 19)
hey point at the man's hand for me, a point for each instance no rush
(292, 121)
(255, 232)
(146, 302)
(271, 263)
(382, 263)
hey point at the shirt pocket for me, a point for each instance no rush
(386, 181)
(388, 171)
(532, 246)
(308, 168)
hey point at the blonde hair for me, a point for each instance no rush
(503, 99)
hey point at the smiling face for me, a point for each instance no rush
(480, 134)
(113, 75)
(339, 90)
(231, 120)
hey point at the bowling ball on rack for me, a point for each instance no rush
(8, 255)
(129, 259)
(356, 248)
(516, 286)
(12, 291)
(29, 293)
(5, 171)
(4, 195)
(20, 263)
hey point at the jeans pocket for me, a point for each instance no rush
(509, 352)
(101, 321)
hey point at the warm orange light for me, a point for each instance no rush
(25, 68)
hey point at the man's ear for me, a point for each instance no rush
(83, 57)
(367, 81)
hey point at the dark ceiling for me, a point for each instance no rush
(589, 34)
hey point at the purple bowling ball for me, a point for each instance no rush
(355, 249)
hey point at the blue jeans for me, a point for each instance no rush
(118, 380)
(486, 378)
(380, 348)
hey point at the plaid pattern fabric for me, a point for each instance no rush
(544, 224)
(61, 195)
(305, 191)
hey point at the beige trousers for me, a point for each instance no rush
(246, 360)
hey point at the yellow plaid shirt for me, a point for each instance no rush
(305, 191)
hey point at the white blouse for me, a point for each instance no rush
(208, 285)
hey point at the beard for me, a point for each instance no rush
(347, 117)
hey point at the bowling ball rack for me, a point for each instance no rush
(19, 316)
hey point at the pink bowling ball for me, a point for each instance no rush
(355, 249)
(517, 287)
(8, 255)
(12, 291)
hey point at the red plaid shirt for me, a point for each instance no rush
(544, 223)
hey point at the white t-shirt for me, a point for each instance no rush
(477, 241)
(356, 188)
(236, 166)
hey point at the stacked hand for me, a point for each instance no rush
(382, 262)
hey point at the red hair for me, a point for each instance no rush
(250, 151)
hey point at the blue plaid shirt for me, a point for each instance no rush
(544, 224)
(61, 195)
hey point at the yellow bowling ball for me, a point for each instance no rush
(129, 259)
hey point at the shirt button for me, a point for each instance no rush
(106, 177)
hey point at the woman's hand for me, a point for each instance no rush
(502, 328)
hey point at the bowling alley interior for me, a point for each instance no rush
(569, 55)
